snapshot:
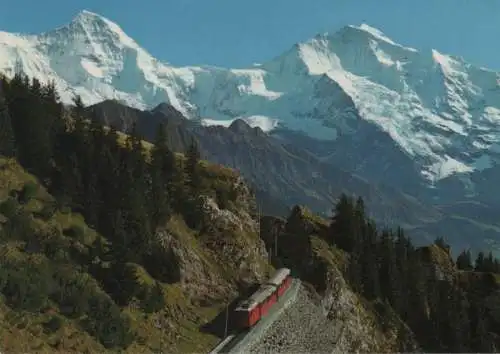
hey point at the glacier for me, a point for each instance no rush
(441, 111)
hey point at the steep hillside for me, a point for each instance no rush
(111, 243)
(49, 281)
(377, 291)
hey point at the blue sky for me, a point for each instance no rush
(237, 33)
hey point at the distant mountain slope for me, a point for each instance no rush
(283, 175)
(420, 122)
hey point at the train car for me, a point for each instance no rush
(249, 311)
(246, 314)
(282, 280)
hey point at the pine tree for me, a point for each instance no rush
(78, 110)
(192, 169)
(370, 266)
(28, 123)
(7, 139)
(482, 341)
(193, 186)
(459, 322)
(385, 258)
(343, 228)
(416, 312)
(399, 281)
(489, 263)
(161, 170)
(354, 270)
(440, 242)
(464, 261)
(120, 236)
(155, 298)
(479, 263)
(134, 180)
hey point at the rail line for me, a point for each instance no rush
(236, 343)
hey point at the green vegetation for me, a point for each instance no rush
(423, 286)
(108, 243)
(98, 231)
(446, 305)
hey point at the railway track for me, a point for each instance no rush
(236, 343)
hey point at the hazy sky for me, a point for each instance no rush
(237, 33)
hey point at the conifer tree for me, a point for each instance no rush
(479, 263)
(370, 266)
(464, 261)
(387, 263)
(343, 227)
(458, 318)
(7, 138)
(192, 169)
(161, 169)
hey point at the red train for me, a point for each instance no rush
(249, 311)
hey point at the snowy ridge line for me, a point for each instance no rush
(441, 111)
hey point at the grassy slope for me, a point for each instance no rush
(25, 332)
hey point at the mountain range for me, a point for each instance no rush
(414, 132)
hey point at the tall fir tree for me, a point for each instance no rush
(7, 138)
(343, 226)
(192, 169)
(162, 169)
(464, 261)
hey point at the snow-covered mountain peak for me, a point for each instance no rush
(95, 26)
(362, 50)
(88, 34)
(374, 32)
(89, 15)
(360, 35)
(440, 110)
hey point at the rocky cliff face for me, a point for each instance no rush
(215, 261)
(438, 262)
(328, 316)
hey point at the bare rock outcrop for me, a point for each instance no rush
(327, 316)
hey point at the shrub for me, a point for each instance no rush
(19, 226)
(107, 323)
(222, 198)
(9, 207)
(26, 287)
(73, 295)
(47, 212)
(154, 298)
(53, 324)
(28, 192)
(14, 194)
(76, 232)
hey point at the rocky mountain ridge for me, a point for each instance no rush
(283, 174)
(424, 123)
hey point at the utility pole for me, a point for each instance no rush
(258, 220)
(276, 244)
(227, 319)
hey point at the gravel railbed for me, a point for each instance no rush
(301, 328)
